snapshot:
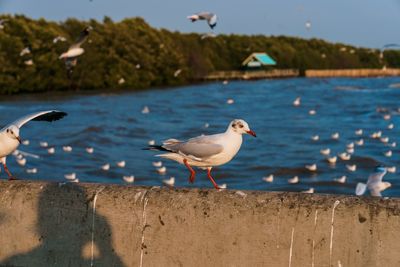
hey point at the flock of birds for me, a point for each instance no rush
(375, 183)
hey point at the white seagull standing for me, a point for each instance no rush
(374, 183)
(206, 151)
(10, 138)
(210, 17)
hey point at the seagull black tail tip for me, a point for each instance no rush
(155, 148)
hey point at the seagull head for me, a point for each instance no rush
(241, 127)
(380, 169)
(13, 132)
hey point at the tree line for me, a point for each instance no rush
(130, 54)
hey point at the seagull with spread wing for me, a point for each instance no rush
(75, 50)
(206, 151)
(210, 17)
(374, 184)
(10, 138)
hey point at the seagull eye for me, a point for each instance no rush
(8, 130)
(241, 126)
(234, 125)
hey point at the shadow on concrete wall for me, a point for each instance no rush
(66, 233)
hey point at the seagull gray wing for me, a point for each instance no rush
(199, 148)
(82, 38)
(49, 115)
(376, 177)
(205, 15)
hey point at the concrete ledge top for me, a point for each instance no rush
(68, 224)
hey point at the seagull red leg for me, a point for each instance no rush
(10, 176)
(212, 179)
(192, 172)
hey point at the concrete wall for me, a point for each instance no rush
(50, 224)
(353, 73)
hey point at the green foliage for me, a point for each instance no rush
(144, 56)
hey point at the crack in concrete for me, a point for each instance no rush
(337, 202)
(144, 225)
(93, 219)
(291, 248)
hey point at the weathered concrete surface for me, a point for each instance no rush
(50, 224)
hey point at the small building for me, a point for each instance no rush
(258, 60)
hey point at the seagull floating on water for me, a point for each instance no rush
(67, 148)
(352, 167)
(388, 153)
(325, 151)
(10, 135)
(44, 144)
(162, 170)
(315, 137)
(391, 169)
(359, 132)
(105, 167)
(344, 156)
(359, 142)
(374, 183)
(21, 162)
(335, 136)
(230, 101)
(70, 176)
(309, 191)
(210, 17)
(332, 159)
(90, 150)
(312, 167)
(121, 164)
(129, 179)
(297, 102)
(312, 112)
(206, 151)
(341, 180)
(31, 171)
(269, 178)
(145, 110)
(390, 126)
(170, 181)
(293, 180)
(26, 142)
(157, 164)
(51, 150)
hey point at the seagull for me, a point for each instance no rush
(230, 101)
(325, 151)
(359, 132)
(169, 182)
(376, 135)
(129, 179)
(335, 136)
(293, 180)
(312, 112)
(315, 137)
(59, 39)
(331, 159)
(21, 162)
(157, 164)
(206, 151)
(297, 102)
(177, 72)
(312, 167)
(269, 178)
(350, 145)
(105, 167)
(2, 23)
(391, 169)
(121, 164)
(210, 17)
(26, 142)
(75, 50)
(31, 171)
(350, 150)
(25, 51)
(51, 150)
(344, 156)
(90, 150)
(28, 62)
(341, 180)
(390, 126)
(351, 168)
(70, 176)
(384, 140)
(67, 148)
(360, 142)
(10, 138)
(162, 170)
(388, 153)
(145, 110)
(151, 142)
(309, 191)
(374, 183)
(387, 117)
(44, 144)
(121, 81)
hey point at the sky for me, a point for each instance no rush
(367, 23)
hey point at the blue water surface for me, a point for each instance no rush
(114, 125)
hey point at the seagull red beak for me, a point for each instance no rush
(19, 139)
(250, 132)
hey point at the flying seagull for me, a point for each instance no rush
(374, 183)
(2, 21)
(206, 151)
(75, 50)
(10, 138)
(210, 17)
